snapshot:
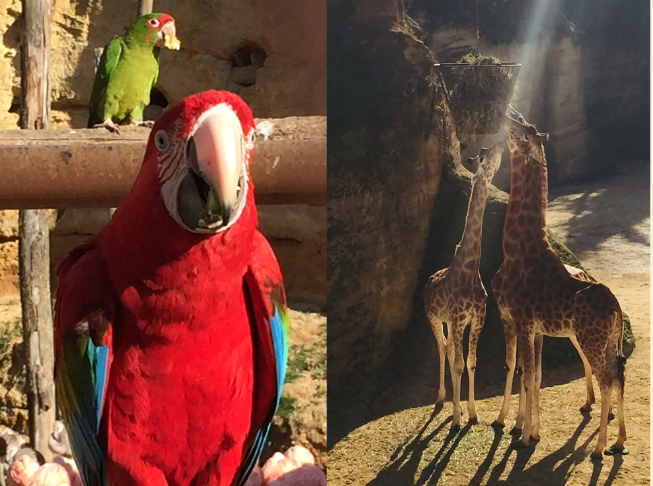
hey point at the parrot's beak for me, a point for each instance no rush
(215, 156)
(169, 37)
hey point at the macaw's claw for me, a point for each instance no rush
(109, 125)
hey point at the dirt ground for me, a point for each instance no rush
(606, 224)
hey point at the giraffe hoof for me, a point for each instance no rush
(518, 444)
(498, 426)
(585, 409)
(534, 439)
(455, 429)
(515, 432)
(596, 456)
(473, 420)
(614, 450)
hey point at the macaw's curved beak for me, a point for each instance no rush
(211, 192)
(169, 37)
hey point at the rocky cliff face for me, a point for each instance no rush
(249, 47)
(388, 135)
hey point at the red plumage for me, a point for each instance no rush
(192, 377)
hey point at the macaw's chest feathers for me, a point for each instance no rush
(163, 400)
(166, 308)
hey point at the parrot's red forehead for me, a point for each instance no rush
(165, 18)
(190, 109)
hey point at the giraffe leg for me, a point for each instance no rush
(588, 377)
(511, 358)
(436, 327)
(521, 407)
(526, 344)
(474, 332)
(456, 342)
(618, 447)
(535, 430)
(603, 428)
(610, 414)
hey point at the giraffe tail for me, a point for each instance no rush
(621, 359)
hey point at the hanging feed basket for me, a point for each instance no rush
(478, 92)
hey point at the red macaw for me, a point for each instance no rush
(171, 323)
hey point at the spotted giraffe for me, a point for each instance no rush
(455, 295)
(537, 296)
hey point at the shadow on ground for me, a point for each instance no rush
(555, 469)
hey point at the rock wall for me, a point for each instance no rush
(549, 92)
(617, 85)
(388, 135)
(250, 47)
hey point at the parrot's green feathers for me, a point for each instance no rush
(129, 69)
(107, 65)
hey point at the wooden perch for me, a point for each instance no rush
(34, 240)
(94, 168)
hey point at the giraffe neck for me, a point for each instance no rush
(511, 229)
(533, 213)
(468, 251)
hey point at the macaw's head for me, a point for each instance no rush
(202, 147)
(155, 29)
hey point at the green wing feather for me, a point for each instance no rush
(108, 62)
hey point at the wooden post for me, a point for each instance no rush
(145, 7)
(34, 242)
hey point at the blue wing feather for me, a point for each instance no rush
(279, 336)
(82, 412)
(280, 343)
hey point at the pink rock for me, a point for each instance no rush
(300, 454)
(50, 475)
(277, 466)
(71, 468)
(307, 475)
(22, 470)
(256, 478)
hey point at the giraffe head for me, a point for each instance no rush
(523, 137)
(486, 163)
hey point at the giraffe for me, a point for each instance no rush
(537, 295)
(455, 295)
(532, 197)
(517, 195)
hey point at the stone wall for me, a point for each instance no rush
(388, 135)
(272, 54)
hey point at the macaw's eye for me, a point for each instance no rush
(161, 140)
(154, 23)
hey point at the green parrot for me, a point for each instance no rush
(128, 69)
